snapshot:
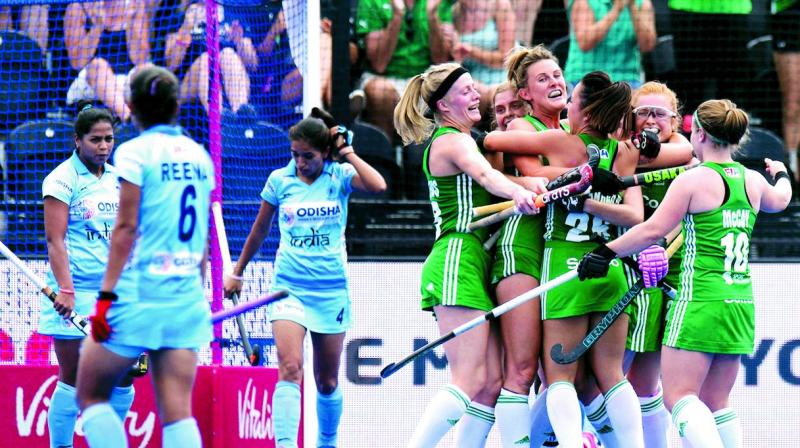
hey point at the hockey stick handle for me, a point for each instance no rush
(227, 267)
(557, 351)
(492, 314)
(650, 177)
(79, 321)
(244, 307)
(491, 208)
(540, 201)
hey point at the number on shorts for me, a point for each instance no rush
(187, 211)
(340, 317)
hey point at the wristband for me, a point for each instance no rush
(782, 175)
(235, 277)
(346, 153)
(105, 295)
(66, 291)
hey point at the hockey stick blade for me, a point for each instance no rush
(244, 307)
(492, 314)
(557, 352)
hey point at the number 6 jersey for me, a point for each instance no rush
(176, 177)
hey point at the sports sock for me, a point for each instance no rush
(541, 429)
(655, 421)
(729, 427)
(513, 419)
(182, 434)
(695, 423)
(564, 411)
(329, 412)
(121, 400)
(473, 428)
(62, 416)
(625, 414)
(102, 427)
(286, 413)
(442, 413)
(597, 415)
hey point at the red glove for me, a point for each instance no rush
(101, 330)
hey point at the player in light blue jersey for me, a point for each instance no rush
(151, 298)
(309, 196)
(81, 197)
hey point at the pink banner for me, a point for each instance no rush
(232, 405)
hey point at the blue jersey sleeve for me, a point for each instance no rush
(345, 172)
(130, 165)
(270, 191)
(60, 184)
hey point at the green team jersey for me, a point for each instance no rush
(453, 197)
(717, 244)
(580, 226)
(713, 6)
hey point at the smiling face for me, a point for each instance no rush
(461, 104)
(545, 88)
(95, 147)
(655, 113)
(507, 107)
(309, 160)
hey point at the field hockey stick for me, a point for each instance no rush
(649, 177)
(541, 200)
(494, 313)
(566, 178)
(79, 321)
(557, 351)
(253, 353)
(489, 243)
(244, 307)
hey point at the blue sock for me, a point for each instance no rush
(329, 412)
(286, 413)
(102, 427)
(183, 433)
(62, 416)
(121, 400)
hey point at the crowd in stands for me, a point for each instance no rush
(91, 48)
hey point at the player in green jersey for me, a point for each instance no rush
(655, 109)
(455, 275)
(711, 323)
(596, 110)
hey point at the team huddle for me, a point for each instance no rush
(676, 348)
(673, 349)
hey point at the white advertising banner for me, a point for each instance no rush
(388, 325)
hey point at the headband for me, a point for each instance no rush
(86, 107)
(448, 82)
(716, 140)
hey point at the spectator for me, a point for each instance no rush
(185, 54)
(485, 34)
(526, 12)
(32, 21)
(609, 37)
(105, 41)
(709, 64)
(786, 49)
(402, 38)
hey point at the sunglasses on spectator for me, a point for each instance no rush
(658, 112)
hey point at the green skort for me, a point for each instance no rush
(577, 298)
(456, 273)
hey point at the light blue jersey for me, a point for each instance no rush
(176, 177)
(93, 203)
(312, 220)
